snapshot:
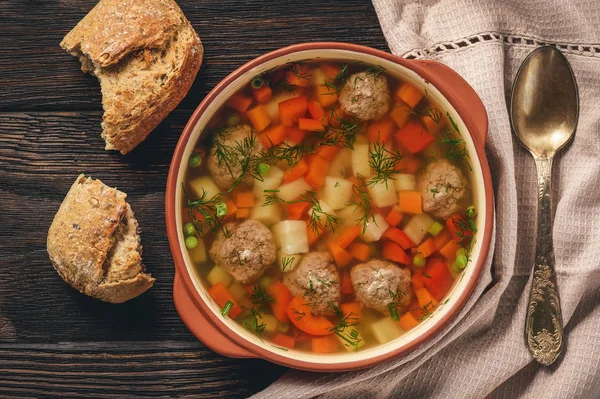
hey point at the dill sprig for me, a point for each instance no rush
(297, 314)
(457, 149)
(342, 75)
(434, 114)
(465, 230)
(342, 133)
(362, 201)
(346, 321)
(393, 305)
(206, 207)
(319, 220)
(292, 154)
(240, 154)
(287, 262)
(260, 299)
(375, 70)
(384, 162)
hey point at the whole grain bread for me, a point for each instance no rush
(94, 243)
(146, 55)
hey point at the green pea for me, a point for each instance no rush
(257, 82)
(189, 229)
(263, 168)
(435, 228)
(462, 252)
(461, 261)
(191, 242)
(233, 120)
(221, 208)
(419, 261)
(471, 211)
(455, 267)
(265, 281)
(194, 161)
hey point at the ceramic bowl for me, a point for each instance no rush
(224, 336)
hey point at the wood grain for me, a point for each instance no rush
(55, 341)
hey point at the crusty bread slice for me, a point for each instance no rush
(94, 243)
(146, 55)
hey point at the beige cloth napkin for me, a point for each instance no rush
(483, 354)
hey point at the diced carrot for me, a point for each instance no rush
(313, 236)
(410, 202)
(220, 294)
(340, 255)
(317, 170)
(454, 223)
(415, 309)
(315, 110)
(409, 94)
(244, 199)
(394, 218)
(299, 75)
(327, 344)
(326, 96)
(380, 131)
(417, 280)
(346, 283)
(334, 116)
(398, 236)
(239, 102)
(395, 253)
(427, 247)
(301, 336)
(347, 236)
(291, 110)
(441, 239)
(409, 164)
(285, 341)
(297, 210)
(400, 113)
(425, 299)
(281, 298)
(312, 125)
(408, 321)
(243, 213)
(330, 70)
(263, 94)
(413, 137)
(231, 210)
(360, 251)
(437, 278)
(300, 315)
(327, 152)
(296, 171)
(273, 135)
(430, 123)
(448, 251)
(258, 117)
(353, 311)
(294, 134)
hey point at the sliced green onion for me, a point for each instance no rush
(435, 228)
(194, 161)
(265, 281)
(233, 120)
(257, 82)
(191, 242)
(471, 211)
(226, 308)
(461, 261)
(419, 261)
(263, 168)
(221, 208)
(189, 229)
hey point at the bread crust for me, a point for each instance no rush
(83, 238)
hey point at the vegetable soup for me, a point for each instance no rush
(329, 207)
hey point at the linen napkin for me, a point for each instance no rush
(483, 352)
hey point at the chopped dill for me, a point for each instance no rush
(298, 315)
(346, 321)
(337, 184)
(375, 70)
(384, 162)
(239, 155)
(287, 262)
(457, 149)
(393, 305)
(260, 298)
(362, 201)
(434, 114)
(207, 209)
(310, 290)
(319, 220)
(435, 191)
(425, 274)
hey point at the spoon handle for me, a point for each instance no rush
(543, 327)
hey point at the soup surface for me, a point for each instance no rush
(329, 208)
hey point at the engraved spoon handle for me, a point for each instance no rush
(543, 327)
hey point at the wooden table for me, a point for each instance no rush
(53, 340)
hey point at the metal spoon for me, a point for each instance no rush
(543, 113)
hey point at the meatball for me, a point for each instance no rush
(318, 280)
(443, 187)
(226, 171)
(365, 96)
(246, 252)
(378, 283)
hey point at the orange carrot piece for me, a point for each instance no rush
(312, 236)
(431, 125)
(394, 218)
(263, 94)
(312, 125)
(425, 299)
(297, 210)
(398, 236)
(299, 75)
(296, 171)
(281, 298)
(239, 102)
(395, 253)
(400, 113)
(334, 115)
(243, 213)
(231, 210)
(453, 223)
(346, 283)
(327, 152)
(258, 117)
(273, 135)
(416, 310)
(448, 251)
(327, 344)
(347, 236)
(317, 170)
(409, 164)
(294, 134)
(315, 110)
(326, 96)
(220, 294)
(413, 137)
(291, 110)
(300, 315)
(438, 280)
(409, 94)
(427, 247)
(285, 341)
(353, 311)
(244, 199)
(380, 131)
(408, 321)
(330, 70)
(417, 280)
(340, 255)
(441, 239)
(410, 202)
(359, 251)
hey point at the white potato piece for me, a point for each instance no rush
(375, 228)
(405, 182)
(269, 215)
(288, 262)
(383, 193)
(337, 192)
(270, 322)
(239, 293)
(350, 215)
(291, 236)
(272, 107)
(356, 337)
(323, 207)
(271, 181)
(204, 183)
(385, 330)
(293, 190)
(198, 254)
(317, 77)
(341, 165)
(417, 227)
(218, 275)
(360, 160)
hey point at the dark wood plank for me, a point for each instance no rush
(38, 75)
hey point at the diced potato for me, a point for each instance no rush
(293, 190)
(417, 227)
(206, 183)
(360, 160)
(272, 107)
(269, 215)
(405, 182)
(375, 229)
(270, 321)
(218, 275)
(341, 165)
(271, 181)
(350, 215)
(383, 193)
(353, 335)
(239, 293)
(288, 262)
(337, 192)
(385, 330)
(317, 77)
(198, 254)
(291, 236)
